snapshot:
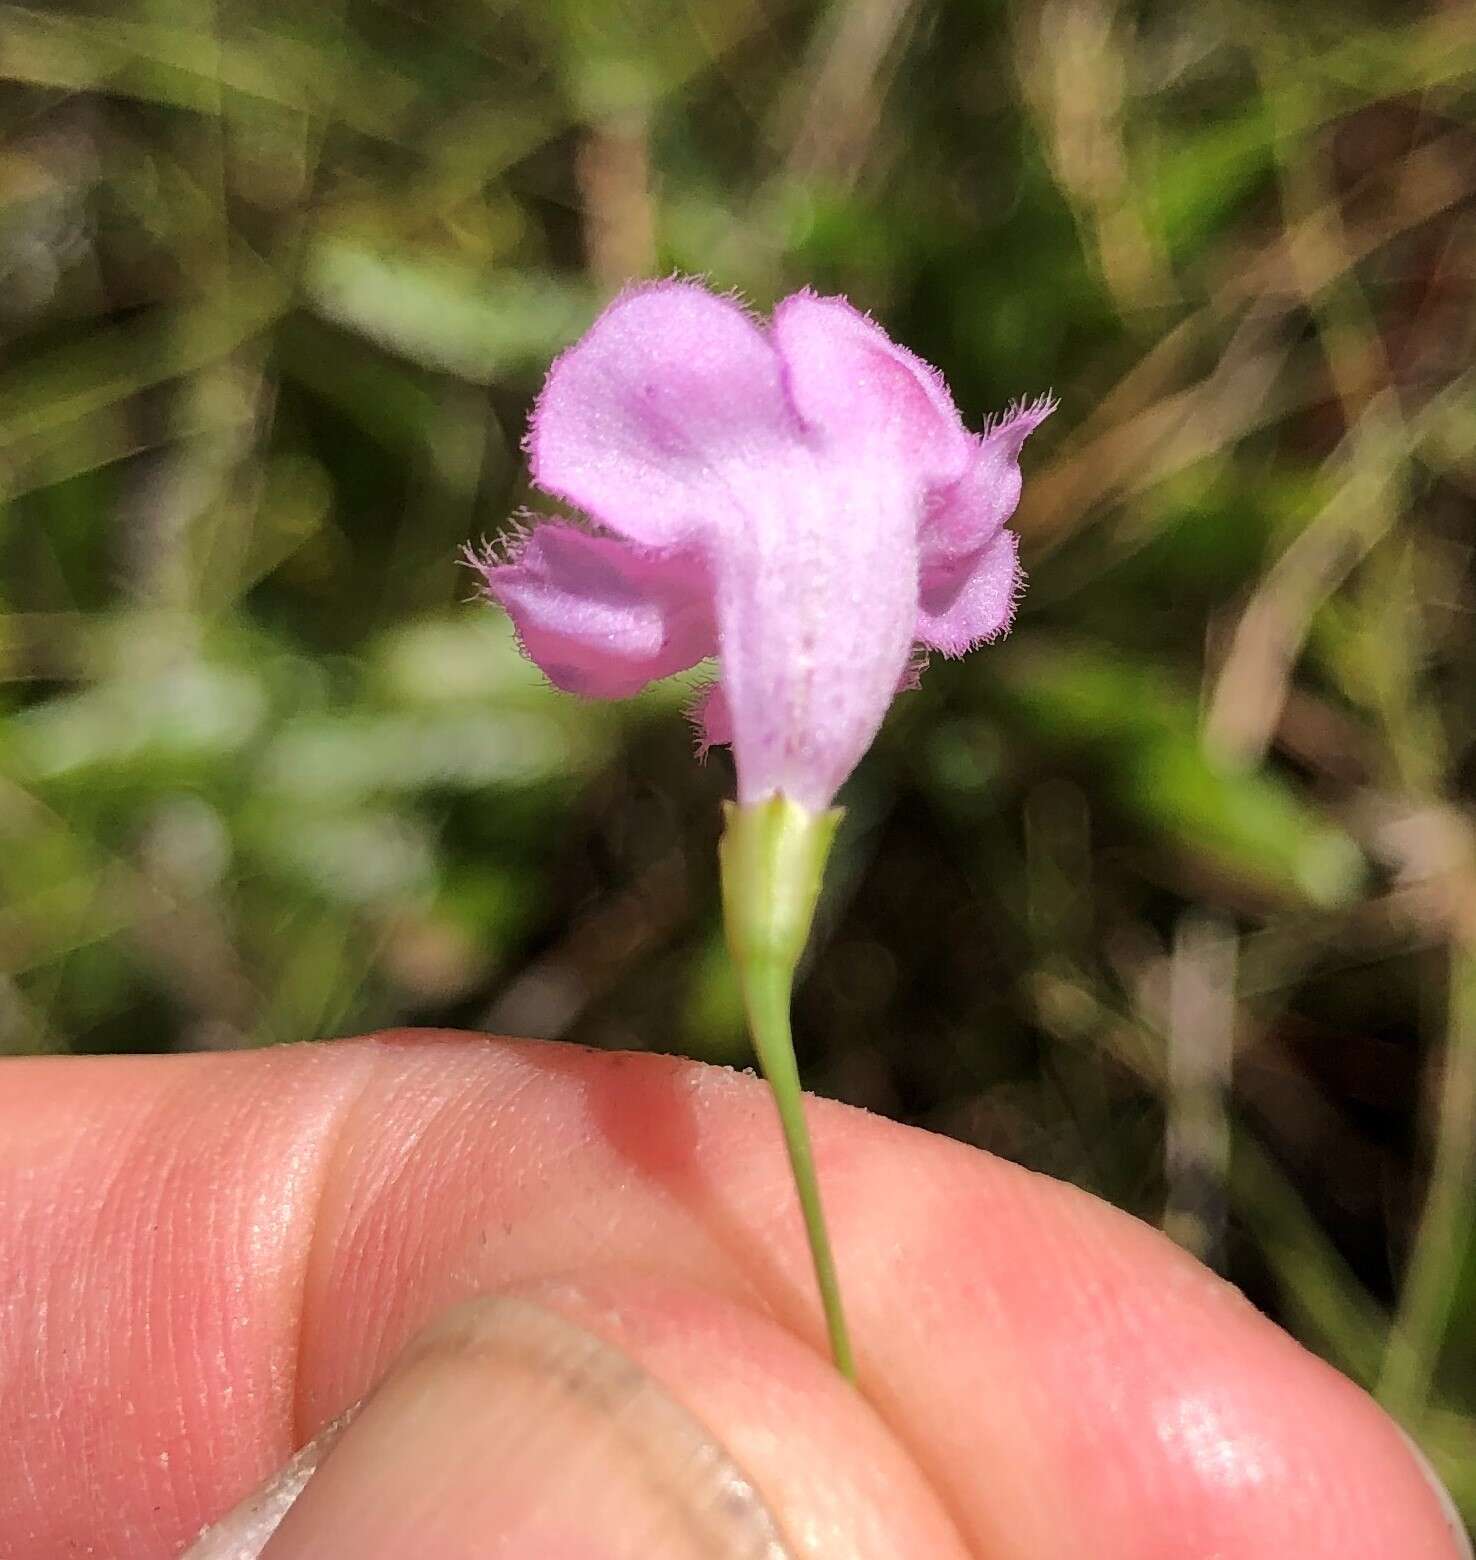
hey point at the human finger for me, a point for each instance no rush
(1063, 1380)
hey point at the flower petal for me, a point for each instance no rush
(849, 380)
(971, 599)
(665, 407)
(710, 714)
(968, 517)
(600, 617)
(805, 503)
(816, 608)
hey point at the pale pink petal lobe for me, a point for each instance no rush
(669, 405)
(859, 388)
(598, 616)
(969, 516)
(712, 718)
(972, 599)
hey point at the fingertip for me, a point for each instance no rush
(831, 1468)
(1459, 1533)
(1176, 1416)
(618, 1416)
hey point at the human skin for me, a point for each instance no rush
(203, 1259)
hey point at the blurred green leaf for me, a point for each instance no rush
(714, 1024)
(1140, 735)
(338, 756)
(476, 327)
(133, 727)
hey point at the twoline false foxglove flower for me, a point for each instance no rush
(802, 502)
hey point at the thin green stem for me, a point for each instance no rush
(767, 989)
(1449, 1214)
(772, 857)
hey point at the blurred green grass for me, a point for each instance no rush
(1174, 894)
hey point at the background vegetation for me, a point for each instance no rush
(1174, 894)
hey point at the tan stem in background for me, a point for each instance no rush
(613, 168)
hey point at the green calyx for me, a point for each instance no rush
(772, 859)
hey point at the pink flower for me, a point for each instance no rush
(802, 502)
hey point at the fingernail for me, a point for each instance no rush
(508, 1429)
(243, 1532)
(1458, 1531)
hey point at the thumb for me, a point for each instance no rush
(509, 1429)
